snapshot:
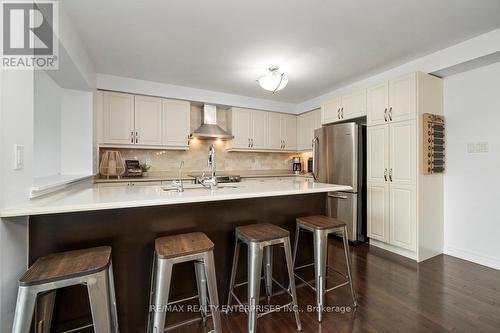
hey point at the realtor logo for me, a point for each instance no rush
(29, 35)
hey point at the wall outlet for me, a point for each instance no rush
(477, 147)
(18, 157)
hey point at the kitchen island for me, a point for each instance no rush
(130, 218)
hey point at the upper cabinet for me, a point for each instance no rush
(261, 130)
(248, 128)
(307, 123)
(392, 101)
(118, 118)
(148, 126)
(344, 107)
(135, 120)
(175, 122)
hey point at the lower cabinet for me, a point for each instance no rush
(392, 214)
(402, 216)
(378, 211)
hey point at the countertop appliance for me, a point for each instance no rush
(296, 165)
(339, 158)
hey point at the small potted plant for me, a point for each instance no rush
(145, 168)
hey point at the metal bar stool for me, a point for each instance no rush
(176, 249)
(321, 227)
(260, 238)
(91, 267)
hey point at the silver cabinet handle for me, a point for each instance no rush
(252, 143)
(136, 137)
(132, 136)
(248, 142)
(385, 174)
(342, 112)
(284, 144)
(390, 174)
(390, 113)
(338, 113)
(385, 114)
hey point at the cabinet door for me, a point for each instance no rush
(289, 131)
(317, 121)
(403, 152)
(378, 211)
(377, 104)
(118, 118)
(148, 120)
(378, 153)
(402, 98)
(241, 127)
(274, 138)
(353, 105)
(305, 130)
(403, 216)
(176, 122)
(259, 129)
(330, 111)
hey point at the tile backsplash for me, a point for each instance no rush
(195, 159)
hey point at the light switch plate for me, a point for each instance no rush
(477, 147)
(18, 157)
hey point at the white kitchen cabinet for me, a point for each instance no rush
(403, 216)
(330, 111)
(378, 211)
(353, 105)
(274, 138)
(241, 127)
(403, 152)
(289, 132)
(176, 122)
(127, 120)
(377, 104)
(118, 118)
(402, 98)
(344, 107)
(249, 128)
(259, 130)
(404, 206)
(377, 153)
(148, 124)
(307, 123)
(392, 101)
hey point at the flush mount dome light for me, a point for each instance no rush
(274, 81)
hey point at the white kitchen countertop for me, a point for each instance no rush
(85, 197)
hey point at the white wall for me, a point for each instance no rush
(76, 132)
(16, 127)
(472, 180)
(47, 126)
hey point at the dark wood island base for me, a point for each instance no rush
(131, 233)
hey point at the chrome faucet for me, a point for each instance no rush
(212, 180)
(178, 184)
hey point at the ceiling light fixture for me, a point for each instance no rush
(274, 81)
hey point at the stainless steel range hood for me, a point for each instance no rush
(209, 128)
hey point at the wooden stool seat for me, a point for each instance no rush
(182, 245)
(320, 222)
(64, 265)
(261, 232)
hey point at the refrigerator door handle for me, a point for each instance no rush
(337, 196)
(315, 162)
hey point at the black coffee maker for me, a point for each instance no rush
(297, 165)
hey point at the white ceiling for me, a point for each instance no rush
(225, 45)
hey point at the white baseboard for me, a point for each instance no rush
(473, 257)
(394, 249)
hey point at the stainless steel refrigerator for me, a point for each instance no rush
(339, 158)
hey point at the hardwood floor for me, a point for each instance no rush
(442, 294)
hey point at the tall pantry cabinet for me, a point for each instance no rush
(405, 207)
